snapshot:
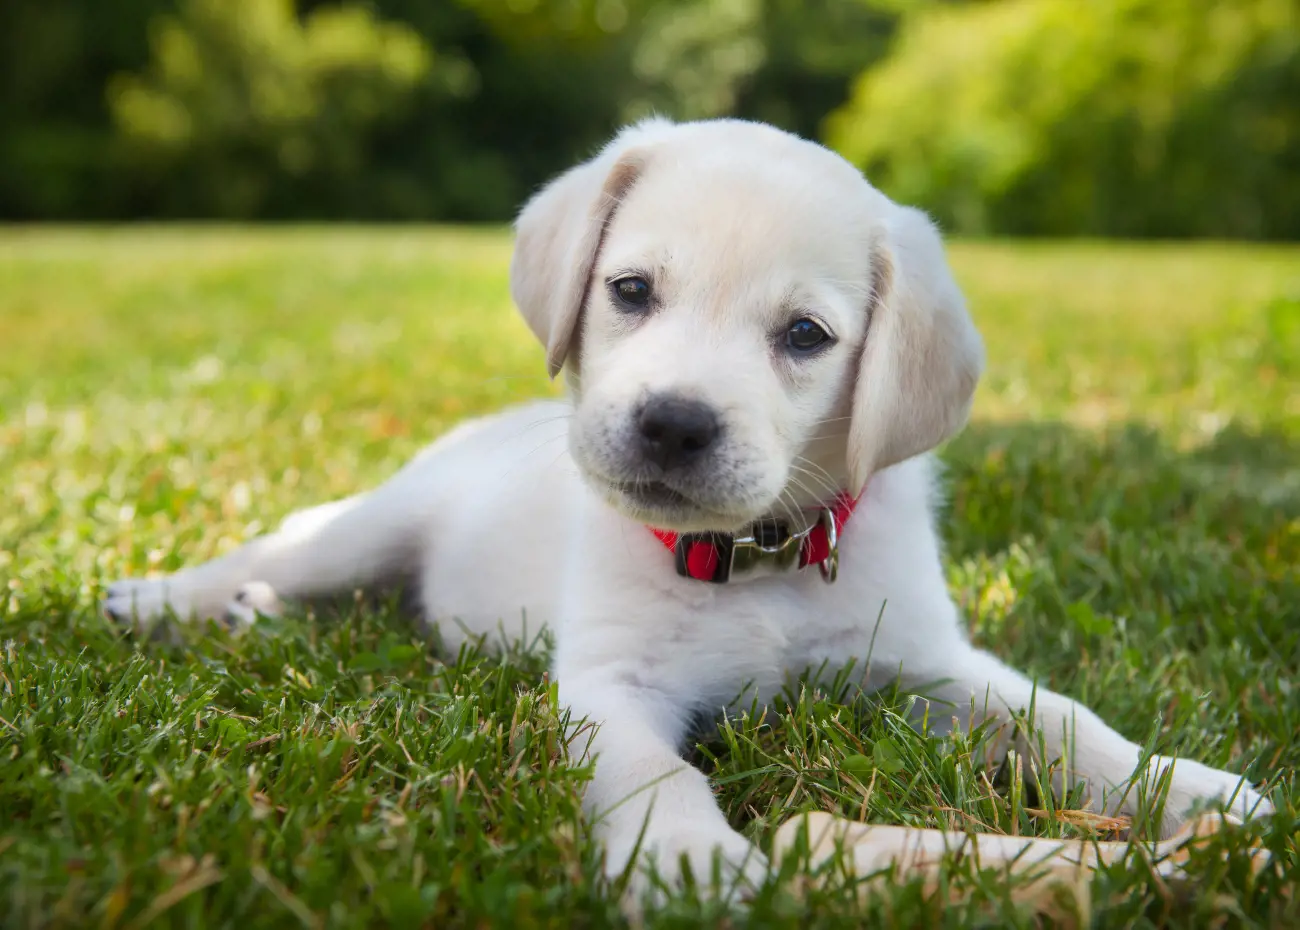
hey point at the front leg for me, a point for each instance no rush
(644, 800)
(356, 542)
(1089, 752)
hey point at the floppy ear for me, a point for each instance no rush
(922, 356)
(557, 238)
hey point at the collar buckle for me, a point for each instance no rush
(767, 549)
(829, 566)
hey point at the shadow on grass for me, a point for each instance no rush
(1009, 480)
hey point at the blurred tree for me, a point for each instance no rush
(245, 109)
(540, 86)
(55, 130)
(517, 92)
(1133, 117)
(786, 62)
(814, 50)
(446, 109)
(1112, 117)
(692, 58)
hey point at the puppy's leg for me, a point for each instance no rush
(1090, 752)
(346, 544)
(644, 799)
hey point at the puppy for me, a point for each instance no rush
(760, 350)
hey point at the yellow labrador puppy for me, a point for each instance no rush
(761, 348)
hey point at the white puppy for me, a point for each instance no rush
(754, 337)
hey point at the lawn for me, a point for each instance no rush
(1124, 522)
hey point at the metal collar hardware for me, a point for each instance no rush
(769, 548)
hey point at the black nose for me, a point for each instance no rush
(675, 431)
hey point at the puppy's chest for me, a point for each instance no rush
(749, 637)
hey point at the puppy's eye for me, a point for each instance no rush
(632, 291)
(805, 336)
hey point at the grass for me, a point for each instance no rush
(1124, 523)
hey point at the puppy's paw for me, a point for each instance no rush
(1193, 787)
(717, 860)
(142, 602)
(252, 600)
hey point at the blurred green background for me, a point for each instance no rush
(1136, 118)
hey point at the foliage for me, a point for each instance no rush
(786, 62)
(443, 108)
(1124, 523)
(56, 60)
(1113, 117)
(244, 94)
(1124, 117)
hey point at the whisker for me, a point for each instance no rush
(829, 491)
(817, 437)
(809, 466)
(818, 469)
(525, 430)
(791, 509)
(818, 474)
(803, 488)
(533, 451)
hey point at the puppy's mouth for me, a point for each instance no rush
(661, 505)
(654, 495)
(686, 503)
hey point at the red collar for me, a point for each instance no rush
(720, 557)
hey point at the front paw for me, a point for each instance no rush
(142, 602)
(1193, 787)
(714, 858)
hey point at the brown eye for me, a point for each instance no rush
(632, 291)
(805, 336)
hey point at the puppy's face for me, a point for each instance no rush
(719, 339)
(749, 327)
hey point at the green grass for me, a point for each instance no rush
(1124, 523)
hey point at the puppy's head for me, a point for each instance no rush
(749, 327)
